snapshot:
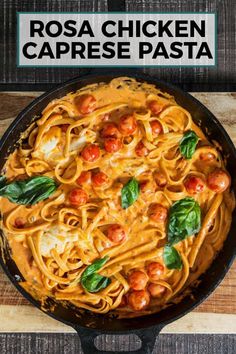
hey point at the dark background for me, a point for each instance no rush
(220, 78)
(165, 344)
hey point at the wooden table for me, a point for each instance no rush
(219, 78)
(215, 315)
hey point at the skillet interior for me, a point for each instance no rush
(213, 275)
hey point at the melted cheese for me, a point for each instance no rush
(62, 239)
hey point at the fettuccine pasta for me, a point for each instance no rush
(140, 207)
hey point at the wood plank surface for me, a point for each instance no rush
(30, 319)
(219, 78)
(22, 343)
(222, 301)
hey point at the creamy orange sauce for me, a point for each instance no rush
(57, 240)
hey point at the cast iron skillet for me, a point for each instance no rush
(87, 324)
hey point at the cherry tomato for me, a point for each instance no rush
(141, 149)
(99, 179)
(155, 107)
(160, 179)
(78, 196)
(194, 185)
(218, 180)
(123, 302)
(155, 270)
(84, 178)
(156, 290)
(207, 156)
(64, 127)
(156, 127)
(127, 125)
(158, 213)
(139, 300)
(116, 233)
(85, 103)
(138, 280)
(90, 153)
(112, 144)
(110, 129)
(19, 223)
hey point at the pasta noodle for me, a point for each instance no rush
(54, 241)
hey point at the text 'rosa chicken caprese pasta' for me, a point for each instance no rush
(114, 201)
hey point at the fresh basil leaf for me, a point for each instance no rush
(188, 144)
(95, 282)
(3, 181)
(129, 193)
(90, 280)
(29, 191)
(184, 220)
(92, 268)
(172, 258)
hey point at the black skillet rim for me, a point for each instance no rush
(204, 294)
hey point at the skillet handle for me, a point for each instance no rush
(147, 337)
